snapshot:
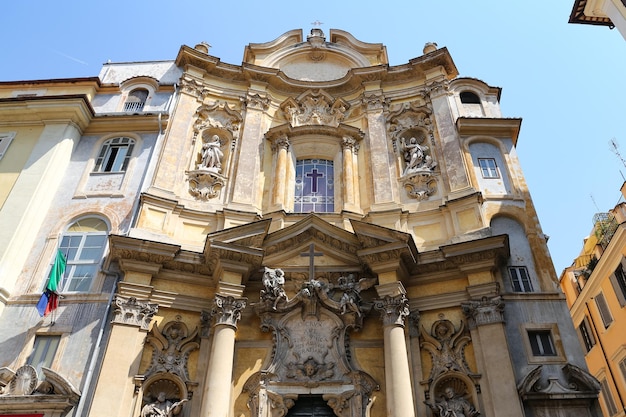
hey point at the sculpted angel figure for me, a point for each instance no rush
(351, 297)
(211, 152)
(273, 281)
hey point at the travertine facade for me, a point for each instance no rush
(323, 233)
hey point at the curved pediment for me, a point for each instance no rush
(315, 59)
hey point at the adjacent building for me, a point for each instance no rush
(312, 232)
(76, 153)
(595, 287)
(611, 13)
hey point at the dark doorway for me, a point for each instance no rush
(310, 406)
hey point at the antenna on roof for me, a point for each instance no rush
(317, 23)
(614, 146)
(594, 202)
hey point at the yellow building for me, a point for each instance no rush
(595, 287)
(318, 233)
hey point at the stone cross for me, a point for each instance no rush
(311, 254)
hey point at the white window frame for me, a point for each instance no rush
(110, 149)
(488, 168)
(72, 282)
(5, 141)
(518, 281)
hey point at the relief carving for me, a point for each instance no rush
(446, 346)
(311, 345)
(420, 186)
(171, 349)
(205, 185)
(215, 117)
(315, 107)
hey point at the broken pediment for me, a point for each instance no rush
(21, 392)
(316, 58)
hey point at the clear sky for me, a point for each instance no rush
(566, 81)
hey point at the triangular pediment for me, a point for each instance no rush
(333, 249)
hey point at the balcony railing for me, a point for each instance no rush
(134, 106)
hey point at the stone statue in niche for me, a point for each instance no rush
(162, 407)
(452, 404)
(273, 281)
(211, 154)
(415, 156)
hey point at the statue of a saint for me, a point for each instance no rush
(453, 405)
(162, 407)
(211, 153)
(415, 156)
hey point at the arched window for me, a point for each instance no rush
(315, 191)
(114, 155)
(136, 100)
(83, 246)
(467, 97)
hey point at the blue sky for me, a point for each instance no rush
(566, 81)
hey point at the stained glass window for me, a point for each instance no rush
(315, 186)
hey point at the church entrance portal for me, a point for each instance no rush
(310, 406)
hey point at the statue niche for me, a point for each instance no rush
(206, 180)
(166, 383)
(310, 355)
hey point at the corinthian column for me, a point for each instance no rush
(216, 396)
(393, 310)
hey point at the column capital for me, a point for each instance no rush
(281, 142)
(132, 312)
(393, 309)
(488, 310)
(227, 309)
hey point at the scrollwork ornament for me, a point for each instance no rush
(393, 310)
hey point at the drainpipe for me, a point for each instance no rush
(96, 350)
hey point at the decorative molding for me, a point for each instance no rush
(217, 116)
(315, 107)
(204, 184)
(282, 142)
(348, 142)
(257, 102)
(446, 346)
(130, 311)
(375, 101)
(420, 185)
(573, 383)
(393, 310)
(488, 310)
(171, 349)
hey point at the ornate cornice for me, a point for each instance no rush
(132, 312)
(257, 101)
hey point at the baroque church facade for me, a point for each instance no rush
(318, 233)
